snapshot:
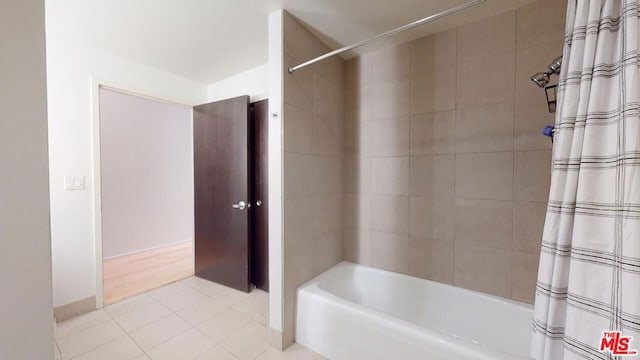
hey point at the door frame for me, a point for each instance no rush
(96, 85)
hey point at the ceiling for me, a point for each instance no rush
(209, 40)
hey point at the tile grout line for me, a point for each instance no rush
(515, 147)
(222, 343)
(158, 301)
(208, 338)
(55, 341)
(154, 299)
(80, 330)
(191, 326)
(94, 348)
(267, 349)
(87, 328)
(530, 150)
(195, 327)
(455, 163)
(129, 335)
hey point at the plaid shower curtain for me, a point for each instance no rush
(589, 274)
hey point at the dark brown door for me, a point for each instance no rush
(259, 185)
(221, 173)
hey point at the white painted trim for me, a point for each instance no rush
(260, 97)
(276, 153)
(97, 83)
(193, 195)
(148, 249)
(97, 191)
(148, 97)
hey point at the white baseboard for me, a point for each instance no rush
(148, 249)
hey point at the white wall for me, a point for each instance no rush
(71, 65)
(146, 161)
(26, 326)
(276, 151)
(253, 82)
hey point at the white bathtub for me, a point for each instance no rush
(356, 312)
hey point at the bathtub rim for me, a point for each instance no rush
(312, 289)
(346, 263)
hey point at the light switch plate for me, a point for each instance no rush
(73, 183)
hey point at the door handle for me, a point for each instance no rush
(241, 205)
(259, 203)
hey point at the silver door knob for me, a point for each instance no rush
(259, 203)
(240, 205)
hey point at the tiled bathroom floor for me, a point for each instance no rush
(189, 319)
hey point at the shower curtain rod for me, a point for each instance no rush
(400, 29)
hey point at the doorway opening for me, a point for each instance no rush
(146, 176)
(164, 208)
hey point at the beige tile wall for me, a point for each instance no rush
(446, 172)
(313, 164)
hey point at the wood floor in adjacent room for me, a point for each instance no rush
(134, 274)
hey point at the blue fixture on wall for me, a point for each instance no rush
(549, 131)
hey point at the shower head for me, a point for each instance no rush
(542, 78)
(555, 65)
